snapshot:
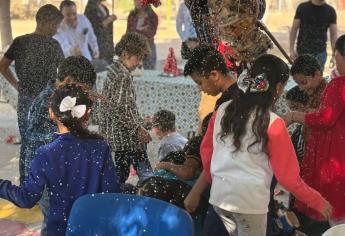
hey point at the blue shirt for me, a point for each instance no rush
(69, 167)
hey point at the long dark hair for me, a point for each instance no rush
(75, 125)
(238, 112)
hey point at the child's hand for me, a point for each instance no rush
(327, 212)
(144, 136)
(191, 202)
(288, 119)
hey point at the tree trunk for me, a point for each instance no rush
(5, 24)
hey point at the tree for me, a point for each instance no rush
(5, 24)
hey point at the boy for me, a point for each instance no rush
(163, 125)
(37, 56)
(119, 119)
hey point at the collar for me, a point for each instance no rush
(65, 136)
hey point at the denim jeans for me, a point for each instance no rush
(149, 62)
(24, 103)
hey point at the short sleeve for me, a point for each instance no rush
(333, 17)
(13, 50)
(299, 12)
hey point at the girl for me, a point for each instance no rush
(323, 166)
(143, 20)
(119, 118)
(250, 143)
(76, 163)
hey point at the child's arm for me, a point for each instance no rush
(185, 171)
(286, 169)
(30, 193)
(331, 108)
(206, 149)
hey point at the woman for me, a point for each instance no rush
(324, 160)
(144, 20)
(102, 24)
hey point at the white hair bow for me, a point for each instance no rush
(68, 104)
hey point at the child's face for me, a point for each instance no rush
(340, 62)
(132, 62)
(207, 84)
(158, 132)
(308, 83)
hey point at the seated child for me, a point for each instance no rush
(163, 126)
(76, 163)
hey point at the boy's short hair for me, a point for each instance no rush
(134, 44)
(164, 120)
(297, 95)
(340, 45)
(305, 64)
(48, 13)
(79, 68)
(203, 60)
(66, 3)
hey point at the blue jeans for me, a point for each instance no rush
(139, 160)
(24, 103)
(149, 62)
(213, 225)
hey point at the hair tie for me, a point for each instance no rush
(68, 104)
(259, 84)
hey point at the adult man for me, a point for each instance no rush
(37, 56)
(76, 35)
(312, 20)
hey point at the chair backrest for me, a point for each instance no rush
(338, 230)
(113, 214)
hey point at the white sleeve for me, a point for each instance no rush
(64, 44)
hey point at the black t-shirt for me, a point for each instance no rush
(315, 20)
(228, 95)
(37, 58)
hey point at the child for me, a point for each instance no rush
(118, 115)
(324, 163)
(77, 162)
(40, 126)
(306, 72)
(163, 126)
(250, 144)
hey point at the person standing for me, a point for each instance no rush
(37, 56)
(312, 20)
(144, 20)
(102, 23)
(186, 31)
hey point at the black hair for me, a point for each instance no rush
(48, 13)
(66, 3)
(205, 122)
(79, 68)
(340, 45)
(75, 125)
(305, 64)
(297, 95)
(134, 44)
(164, 120)
(147, 9)
(238, 112)
(204, 59)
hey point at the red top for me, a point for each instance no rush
(323, 166)
(281, 156)
(151, 21)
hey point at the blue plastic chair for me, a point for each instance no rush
(127, 215)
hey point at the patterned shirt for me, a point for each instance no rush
(118, 115)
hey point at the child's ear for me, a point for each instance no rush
(318, 74)
(51, 114)
(214, 75)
